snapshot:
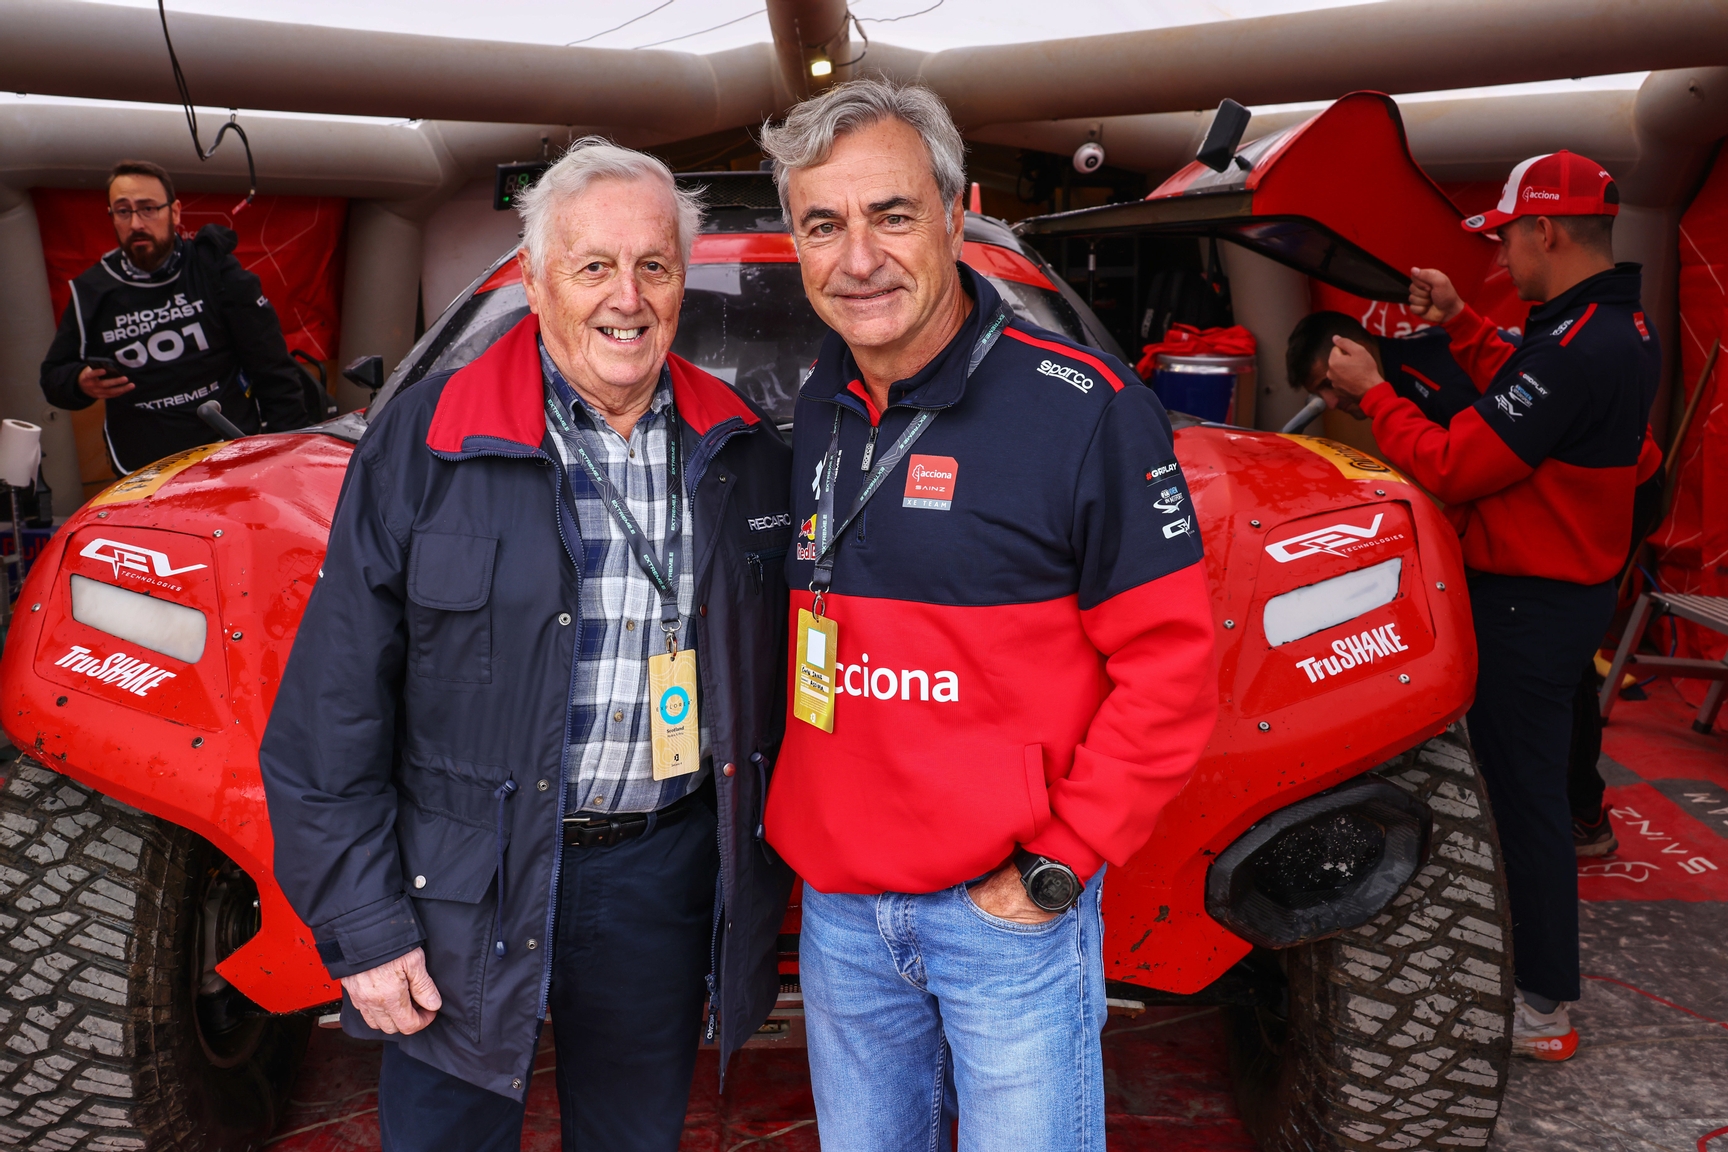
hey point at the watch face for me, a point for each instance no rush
(1053, 889)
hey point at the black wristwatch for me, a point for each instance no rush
(1050, 884)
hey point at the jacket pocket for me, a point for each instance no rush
(450, 864)
(449, 609)
(764, 563)
(1037, 790)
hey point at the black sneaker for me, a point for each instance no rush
(1594, 839)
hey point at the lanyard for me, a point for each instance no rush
(828, 533)
(662, 574)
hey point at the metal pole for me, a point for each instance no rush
(17, 558)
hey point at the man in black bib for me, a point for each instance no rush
(161, 324)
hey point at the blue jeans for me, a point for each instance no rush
(911, 1000)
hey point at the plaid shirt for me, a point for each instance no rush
(609, 763)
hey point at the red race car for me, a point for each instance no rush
(1330, 874)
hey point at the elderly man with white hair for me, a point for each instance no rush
(517, 763)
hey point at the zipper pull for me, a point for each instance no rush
(501, 793)
(869, 449)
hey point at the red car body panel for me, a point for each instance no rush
(1349, 169)
(188, 750)
(1315, 734)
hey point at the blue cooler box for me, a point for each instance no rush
(1205, 385)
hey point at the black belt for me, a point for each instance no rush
(605, 831)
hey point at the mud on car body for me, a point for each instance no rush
(1330, 874)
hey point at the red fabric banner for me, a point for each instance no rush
(1692, 544)
(292, 243)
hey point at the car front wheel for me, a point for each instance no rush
(116, 1032)
(1395, 1034)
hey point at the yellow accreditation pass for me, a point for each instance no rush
(813, 695)
(677, 732)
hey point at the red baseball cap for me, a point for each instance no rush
(1558, 184)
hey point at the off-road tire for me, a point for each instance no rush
(99, 1044)
(1397, 1034)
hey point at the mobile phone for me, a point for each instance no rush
(105, 365)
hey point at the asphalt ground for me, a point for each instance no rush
(1651, 1073)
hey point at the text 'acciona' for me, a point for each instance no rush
(887, 683)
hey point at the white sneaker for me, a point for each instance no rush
(1542, 1035)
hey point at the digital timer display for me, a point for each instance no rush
(513, 180)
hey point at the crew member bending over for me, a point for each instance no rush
(1538, 478)
(1419, 367)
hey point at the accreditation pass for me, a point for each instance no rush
(813, 696)
(677, 733)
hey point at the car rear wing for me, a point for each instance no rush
(1338, 197)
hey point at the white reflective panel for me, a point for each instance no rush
(1320, 606)
(171, 629)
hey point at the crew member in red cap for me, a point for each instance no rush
(1538, 478)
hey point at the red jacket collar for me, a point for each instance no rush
(500, 396)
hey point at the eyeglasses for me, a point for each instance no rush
(144, 212)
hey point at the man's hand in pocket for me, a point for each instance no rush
(1003, 895)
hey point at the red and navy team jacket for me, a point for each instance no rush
(1025, 643)
(1538, 475)
(1420, 367)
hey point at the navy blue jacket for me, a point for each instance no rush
(1421, 369)
(433, 669)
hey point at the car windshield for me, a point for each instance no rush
(747, 323)
(1041, 306)
(471, 327)
(751, 325)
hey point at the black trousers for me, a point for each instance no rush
(1585, 786)
(635, 925)
(1532, 636)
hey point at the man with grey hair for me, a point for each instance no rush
(1002, 664)
(503, 767)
